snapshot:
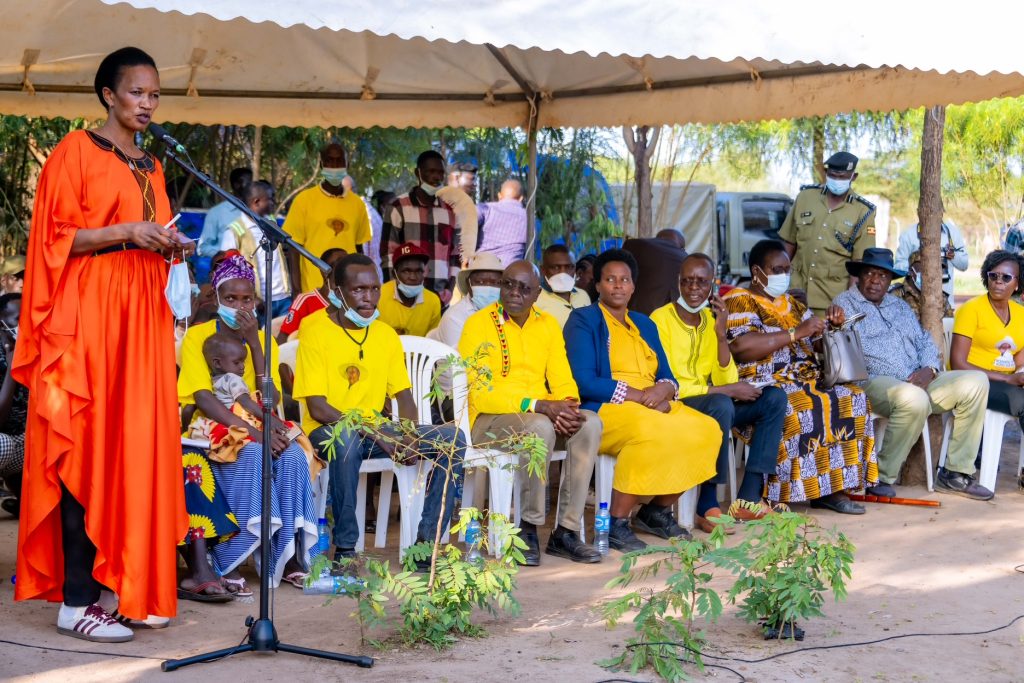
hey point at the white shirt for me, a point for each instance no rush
(229, 241)
(911, 242)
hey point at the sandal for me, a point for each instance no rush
(237, 588)
(198, 593)
(297, 579)
(712, 519)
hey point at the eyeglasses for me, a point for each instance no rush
(1002, 278)
(517, 286)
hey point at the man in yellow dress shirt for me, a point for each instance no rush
(323, 217)
(404, 302)
(692, 330)
(526, 352)
(559, 295)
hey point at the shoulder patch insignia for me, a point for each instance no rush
(871, 207)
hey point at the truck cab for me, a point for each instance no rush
(744, 219)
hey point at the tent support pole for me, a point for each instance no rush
(531, 181)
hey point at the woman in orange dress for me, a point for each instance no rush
(103, 507)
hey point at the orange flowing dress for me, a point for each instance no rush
(96, 351)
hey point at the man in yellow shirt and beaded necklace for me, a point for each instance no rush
(532, 391)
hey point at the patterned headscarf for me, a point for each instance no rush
(233, 267)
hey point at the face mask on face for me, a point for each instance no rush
(561, 283)
(776, 285)
(359, 321)
(227, 315)
(334, 176)
(484, 295)
(836, 186)
(426, 187)
(410, 291)
(691, 309)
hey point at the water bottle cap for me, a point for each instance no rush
(322, 520)
(604, 506)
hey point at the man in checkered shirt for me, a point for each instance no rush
(421, 218)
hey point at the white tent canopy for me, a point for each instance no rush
(585, 63)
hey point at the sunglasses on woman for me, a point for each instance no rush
(1002, 278)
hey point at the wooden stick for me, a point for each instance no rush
(920, 502)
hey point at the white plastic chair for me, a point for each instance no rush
(286, 355)
(881, 422)
(991, 447)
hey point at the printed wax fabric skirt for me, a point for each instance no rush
(209, 515)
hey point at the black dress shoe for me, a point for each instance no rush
(837, 502)
(621, 536)
(531, 556)
(566, 543)
(881, 489)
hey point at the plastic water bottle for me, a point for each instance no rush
(473, 542)
(323, 541)
(332, 585)
(602, 525)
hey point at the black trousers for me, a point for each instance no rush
(1006, 398)
(80, 588)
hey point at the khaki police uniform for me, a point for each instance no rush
(823, 240)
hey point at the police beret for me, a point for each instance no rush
(842, 161)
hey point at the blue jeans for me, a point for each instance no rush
(351, 448)
(766, 415)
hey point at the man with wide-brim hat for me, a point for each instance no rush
(12, 274)
(828, 225)
(479, 283)
(907, 383)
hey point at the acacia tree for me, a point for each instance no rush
(641, 144)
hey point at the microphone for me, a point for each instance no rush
(161, 134)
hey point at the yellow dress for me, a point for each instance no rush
(656, 453)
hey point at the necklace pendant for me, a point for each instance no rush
(360, 354)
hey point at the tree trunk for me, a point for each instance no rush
(929, 215)
(642, 148)
(818, 149)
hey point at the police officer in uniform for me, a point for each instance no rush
(828, 226)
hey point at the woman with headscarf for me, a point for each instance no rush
(293, 517)
(102, 507)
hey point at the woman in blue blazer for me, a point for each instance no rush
(662, 447)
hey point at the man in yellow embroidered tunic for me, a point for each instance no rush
(532, 391)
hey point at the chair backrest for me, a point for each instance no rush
(947, 334)
(421, 357)
(286, 356)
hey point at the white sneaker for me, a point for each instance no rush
(109, 602)
(91, 623)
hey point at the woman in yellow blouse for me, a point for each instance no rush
(662, 447)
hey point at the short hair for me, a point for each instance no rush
(556, 249)
(6, 299)
(762, 250)
(237, 173)
(331, 253)
(588, 259)
(462, 167)
(257, 186)
(702, 256)
(994, 258)
(220, 343)
(429, 154)
(341, 270)
(109, 72)
(616, 256)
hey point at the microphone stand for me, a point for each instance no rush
(262, 636)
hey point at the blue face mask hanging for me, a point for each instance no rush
(351, 313)
(179, 290)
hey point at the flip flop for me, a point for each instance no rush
(197, 593)
(237, 588)
(297, 579)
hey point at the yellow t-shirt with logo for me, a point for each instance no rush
(416, 320)
(993, 344)
(195, 373)
(320, 221)
(328, 364)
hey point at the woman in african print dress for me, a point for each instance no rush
(828, 437)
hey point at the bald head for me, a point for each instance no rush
(520, 288)
(673, 236)
(511, 189)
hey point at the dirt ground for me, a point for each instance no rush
(917, 570)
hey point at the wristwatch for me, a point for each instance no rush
(792, 335)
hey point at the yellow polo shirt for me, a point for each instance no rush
(692, 351)
(993, 344)
(320, 221)
(418, 319)
(549, 302)
(195, 373)
(524, 362)
(328, 364)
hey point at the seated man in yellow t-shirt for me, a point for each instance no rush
(347, 360)
(323, 217)
(404, 302)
